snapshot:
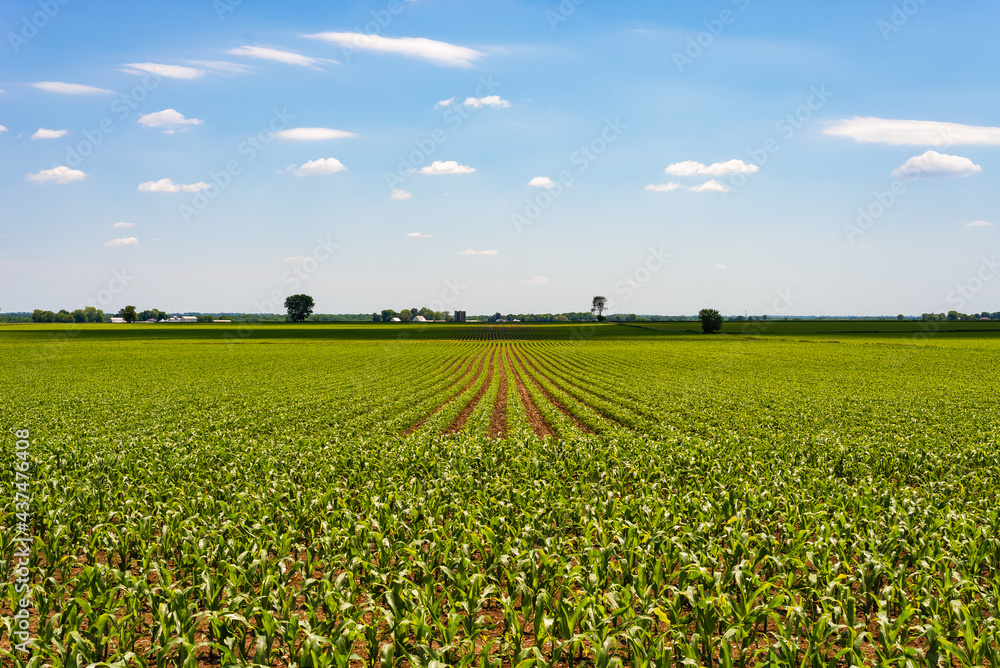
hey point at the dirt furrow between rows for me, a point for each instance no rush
(444, 403)
(538, 423)
(555, 402)
(498, 420)
(463, 416)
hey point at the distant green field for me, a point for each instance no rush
(811, 493)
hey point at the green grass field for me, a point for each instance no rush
(801, 493)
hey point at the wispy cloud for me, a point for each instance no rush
(471, 251)
(3, 128)
(220, 66)
(935, 165)
(276, 55)
(121, 242)
(439, 53)
(664, 187)
(159, 69)
(42, 133)
(168, 119)
(444, 103)
(542, 182)
(694, 168)
(313, 134)
(870, 130)
(709, 186)
(537, 280)
(168, 186)
(401, 194)
(980, 223)
(418, 235)
(720, 266)
(68, 88)
(319, 167)
(446, 167)
(488, 101)
(123, 225)
(60, 174)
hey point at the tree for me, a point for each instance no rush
(711, 320)
(79, 315)
(128, 313)
(205, 317)
(598, 306)
(376, 317)
(299, 307)
(405, 315)
(388, 314)
(900, 317)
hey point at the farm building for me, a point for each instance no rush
(459, 316)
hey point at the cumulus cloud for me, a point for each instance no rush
(933, 165)
(694, 168)
(870, 130)
(161, 70)
(664, 187)
(60, 174)
(168, 186)
(439, 53)
(542, 182)
(319, 167)
(169, 119)
(287, 57)
(123, 241)
(709, 186)
(536, 280)
(979, 223)
(42, 133)
(444, 103)
(3, 128)
(471, 251)
(401, 194)
(488, 101)
(418, 235)
(123, 225)
(313, 134)
(68, 88)
(446, 167)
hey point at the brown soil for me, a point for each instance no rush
(498, 421)
(538, 423)
(462, 375)
(555, 402)
(463, 416)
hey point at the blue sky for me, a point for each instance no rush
(779, 157)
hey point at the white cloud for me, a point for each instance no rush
(869, 130)
(168, 186)
(542, 182)
(401, 194)
(123, 241)
(170, 119)
(319, 167)
(979, 223)
(933, 164)
(161, 70)
(122, 225)
(60, 174)
(439, 53)
(3, 128)
(68, 88)
(664, 187)
(287, 57)
(693, 168)
(720, 266)
(42, 133)
(709, 186)
(537, 280)
(470, 251)
(446, 167)
(222, 66)
(419, 235)
(444, 103)
(488, 101)
(313, 134)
